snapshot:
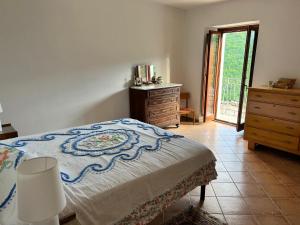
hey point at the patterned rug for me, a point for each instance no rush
(194, 216)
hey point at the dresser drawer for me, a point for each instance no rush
(159, 100)
(165, 91)
(167, 123)
(277, 125)
(165, 120)
(158, 112)
(272, 110)
(274, 98)
(272, 139)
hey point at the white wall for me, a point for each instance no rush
(278, 52)
(67, 63)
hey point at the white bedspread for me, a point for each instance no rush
(113, 167)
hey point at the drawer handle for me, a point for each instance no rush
(294, 100)
(293, 113)
(259, 96)
(256, 107)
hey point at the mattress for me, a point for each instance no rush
(112, 169)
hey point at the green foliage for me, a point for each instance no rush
(234, 54)
(233, 64)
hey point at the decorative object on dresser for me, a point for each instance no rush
(157, 80)
(185, 96)
(273, 118)
(284, 83)
(144, 73)
(156, 104)
(8, 132)
(40, 191)
(1, 111)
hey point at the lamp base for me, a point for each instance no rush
(0, 126)
(52, 221)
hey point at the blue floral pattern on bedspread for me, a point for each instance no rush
(10, 158)
(97, 147)
(107, 142)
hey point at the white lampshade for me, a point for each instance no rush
(40, 193)
(1, 110)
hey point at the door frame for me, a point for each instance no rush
(206, 61)
(237, 29)
(206, 74)
(240, 126)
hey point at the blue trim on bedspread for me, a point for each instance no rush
(12, 192)
(79, 134)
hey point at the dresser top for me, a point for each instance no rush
(155, 86)
(294, 91)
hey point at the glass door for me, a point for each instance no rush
(247, 75)
(230, 76)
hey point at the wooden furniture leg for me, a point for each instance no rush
(251, 145)
(194, 118)
(67, 219)
(202, 196)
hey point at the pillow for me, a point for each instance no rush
(10, 158)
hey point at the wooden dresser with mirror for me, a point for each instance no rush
(156, 104)
(273, 118)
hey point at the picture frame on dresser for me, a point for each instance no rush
(141, 73)
(145, 73)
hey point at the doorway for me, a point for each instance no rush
(228, 72)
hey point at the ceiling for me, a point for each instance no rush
(186, 4)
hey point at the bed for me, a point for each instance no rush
(115, 172)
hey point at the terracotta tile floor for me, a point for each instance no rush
(259, 187)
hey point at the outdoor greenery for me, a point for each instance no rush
(234, 54)
(233, 64)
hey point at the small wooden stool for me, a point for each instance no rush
(185, 96)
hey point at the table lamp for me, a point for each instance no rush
(1, 110)
(40, 193)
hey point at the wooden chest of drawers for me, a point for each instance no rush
(156, 104)
(273, 118)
